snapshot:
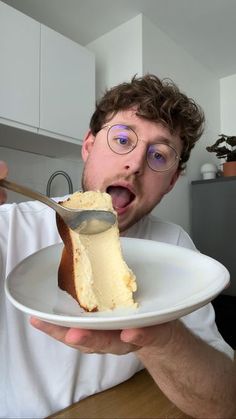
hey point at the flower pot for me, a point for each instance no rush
(229, 168)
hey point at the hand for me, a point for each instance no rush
(117, 342)
(3, 174)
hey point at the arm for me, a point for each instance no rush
(199, 379)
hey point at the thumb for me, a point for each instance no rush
(158, 335)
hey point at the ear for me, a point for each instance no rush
(87, 145)
(173, 181)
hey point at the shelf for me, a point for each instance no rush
(216, 180)
(37, 143)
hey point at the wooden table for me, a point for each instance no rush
(138, 397)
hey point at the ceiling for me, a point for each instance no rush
(204, 28)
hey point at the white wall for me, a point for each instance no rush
(228, 105)
(34, 171)
(162, 56)
(118, 54)
(138, 46)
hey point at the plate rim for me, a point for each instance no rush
(128, 320)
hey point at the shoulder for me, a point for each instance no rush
(153, 228)
(30, 226)
(27, 207)
(24, 212)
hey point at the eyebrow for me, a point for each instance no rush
(160, 139)
(165, 140)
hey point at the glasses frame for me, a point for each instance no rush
(177, 158)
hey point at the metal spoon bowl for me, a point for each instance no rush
(82, 221)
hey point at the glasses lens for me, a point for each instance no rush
(121, 139)
(161, 157)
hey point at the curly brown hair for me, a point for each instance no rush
(155, 100)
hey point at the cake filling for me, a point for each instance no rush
(92, 268)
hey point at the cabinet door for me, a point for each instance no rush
(67, 94)
(19, 69)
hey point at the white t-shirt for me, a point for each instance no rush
(38, 375)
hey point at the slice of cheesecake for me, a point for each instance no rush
(92, 268)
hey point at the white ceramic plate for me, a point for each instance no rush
(172, 282)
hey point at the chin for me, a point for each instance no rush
(125, 222)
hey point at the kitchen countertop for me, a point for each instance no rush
(138, 397)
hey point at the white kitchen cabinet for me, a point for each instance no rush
(19, 68)
(47, 85)
(67, 85)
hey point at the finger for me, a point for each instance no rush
(3, 169)
(56, 332)
(70, 336)
(99, 341)
(158, 335)
(3, 196)
(87, 341)
(3, 174)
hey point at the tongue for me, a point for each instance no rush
(120, 196)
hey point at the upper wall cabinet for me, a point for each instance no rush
(67, 85)
(19, 69)
(47, 81)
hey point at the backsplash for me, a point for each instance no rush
(34, 171)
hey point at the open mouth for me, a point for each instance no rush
(121, 196)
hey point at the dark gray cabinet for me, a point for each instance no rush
(213, 222)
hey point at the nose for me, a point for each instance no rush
(135, 161)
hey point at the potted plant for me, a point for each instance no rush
(225, 147)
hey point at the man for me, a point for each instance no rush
(139, 140)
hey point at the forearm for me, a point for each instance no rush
(200, 380)
(197, 378)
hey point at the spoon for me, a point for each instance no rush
(82, 221)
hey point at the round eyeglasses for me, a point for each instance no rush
(122, 139)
